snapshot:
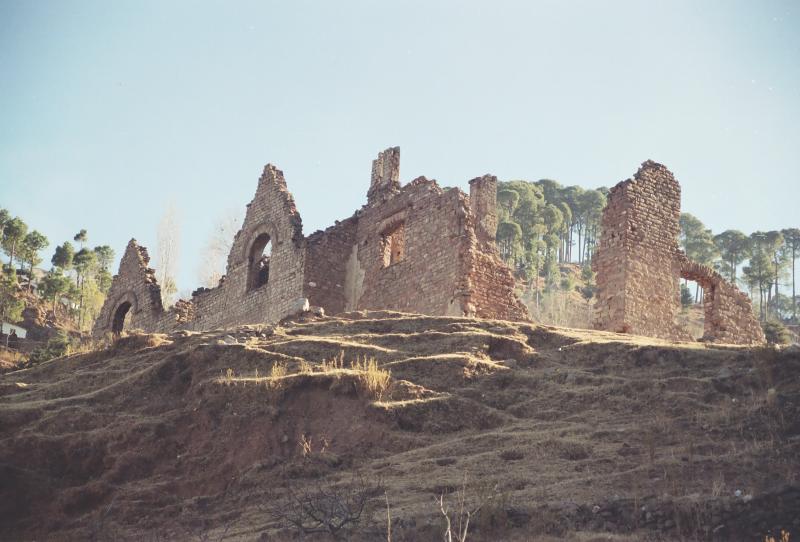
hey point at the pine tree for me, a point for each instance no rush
(14, 231)
(791, 238)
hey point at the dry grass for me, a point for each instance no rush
(553, 422)
(374, 379)
(9, 359)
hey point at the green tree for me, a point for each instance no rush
(551, 190)
(572, 208)
(63, 256)
(4, 217)
(777, 255)
(105, 255)
(33, 243)
(81, 237)
(592, 204)
(57, 346)
(553, 220)
(697, 242)
(10, 304)
(54, 285)
(769, 245)
(791, 239)
(507, 201)
(565, 231)
(509, 236)
(686, 296)
(734, 248)
(14, 231)
(84, 263)
(759, 271)
(102, 275)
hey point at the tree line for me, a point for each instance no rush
(79, 276)
(543, 224)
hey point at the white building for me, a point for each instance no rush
(5, 329)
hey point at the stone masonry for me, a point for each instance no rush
(414, 248)
(639, 266)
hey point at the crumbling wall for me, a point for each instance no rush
(428, 224)
(728, 312)
(273, 213)
(134, 290)
(639, 266)
(488, 282)
(415, 248)
(328, 262)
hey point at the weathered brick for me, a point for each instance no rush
(416, 248)
(639, 266)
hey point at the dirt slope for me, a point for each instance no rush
(561, 434)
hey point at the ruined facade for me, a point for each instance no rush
(414, 248)
(639, 266)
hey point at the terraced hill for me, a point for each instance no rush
(545, 433)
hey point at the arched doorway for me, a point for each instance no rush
(258, 262)
(119, 321)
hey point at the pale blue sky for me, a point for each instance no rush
(110, 110)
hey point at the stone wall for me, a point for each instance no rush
(639, 266)
(331, 257)
(728, 311)
(135, 290)
(416, 248)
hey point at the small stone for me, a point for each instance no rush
(299, 306)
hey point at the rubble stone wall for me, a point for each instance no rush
(429, 223)
(728, 312)
(416, 248)
(639, 266)
(135, 287)
(329, 255)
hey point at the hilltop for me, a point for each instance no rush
(561, 434)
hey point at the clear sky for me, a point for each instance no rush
(110, 110)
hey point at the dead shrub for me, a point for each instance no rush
(339, 510)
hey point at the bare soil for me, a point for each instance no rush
(559, 434)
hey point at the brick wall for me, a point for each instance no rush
(639, 266)
(416, 248)
(329, 255)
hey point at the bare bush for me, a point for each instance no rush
(335, 509)
(457, 520)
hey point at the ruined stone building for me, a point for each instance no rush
(639, 267)
(413, 248)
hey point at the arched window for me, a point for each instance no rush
(258, 262)
(121, 318)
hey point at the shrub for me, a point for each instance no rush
(58, 346)
(687, 298)
(776, 332)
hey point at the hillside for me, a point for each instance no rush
(561, 434)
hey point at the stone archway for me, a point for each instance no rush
(118, 320)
